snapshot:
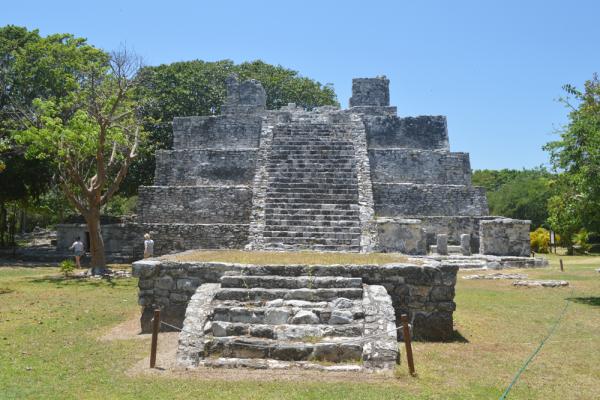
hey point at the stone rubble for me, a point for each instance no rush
(496, 276)
(547, 283)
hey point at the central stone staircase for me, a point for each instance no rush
(282, 317)
(312, 196)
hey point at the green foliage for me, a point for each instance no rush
(198, 88)
(581, 241)
(521, 194)
(576, 156)
(66, 267)
(121, 205)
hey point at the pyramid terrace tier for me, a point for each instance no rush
(410, 199)
(195, 204)
(424, 132)
(205, 167)
(223, 131)
(404, 165)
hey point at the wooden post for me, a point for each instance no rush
(561, 265)
(155, 329)
(407, 344)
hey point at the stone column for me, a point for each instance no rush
(465, 244)
(442, 244)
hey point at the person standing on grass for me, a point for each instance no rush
(78, 249)
(148, 246)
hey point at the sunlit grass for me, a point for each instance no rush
(301, 257)
(50, 346)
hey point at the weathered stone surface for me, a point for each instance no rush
(465, 244)
(370, 92)
(495, 276)
(400, 235)
(547, 283)
(339, 317)
(305, 317)
(505, 237)
(442, 244)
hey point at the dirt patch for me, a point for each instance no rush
(127, 330)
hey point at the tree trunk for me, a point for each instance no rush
(98, 262)
(3, 224)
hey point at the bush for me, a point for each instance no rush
(66, 267)
(540, 240)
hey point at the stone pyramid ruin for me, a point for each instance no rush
(359, 179)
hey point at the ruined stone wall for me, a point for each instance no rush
(419, 166)
(505, 237)
(194, 204)
(370, 92)
(223, 131)
(400, 235)
(425, 293)
(205, 167)
(423, 132)
(407, 199)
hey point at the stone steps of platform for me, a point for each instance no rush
(306, 200)
(276, 189)
(288, 315)
(293, 294)
(312, 169)
(334, 349)
(285, 331)
(311, 152)
(290, 178)
(287, 282)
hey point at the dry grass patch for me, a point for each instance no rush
(288, 258)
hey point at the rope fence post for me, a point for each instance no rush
(561, 265)
(407, 344)
(155, 329)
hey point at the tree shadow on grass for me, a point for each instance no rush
(590, 301)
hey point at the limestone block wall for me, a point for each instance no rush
(419, 166)
(423, 132)
(505, 237)
(408, 199)
(370, 92)
(195, 204)
(425, 293)
(205, 167)
(223, 131)
(400, 236)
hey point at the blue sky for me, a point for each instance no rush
(494, 68)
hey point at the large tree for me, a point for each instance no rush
(576, 157)
(198, 88)
(91, 134)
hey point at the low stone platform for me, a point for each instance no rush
(271, 321)
(480, 261)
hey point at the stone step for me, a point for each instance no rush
(305, 200)
(288, 282)
(313, 247)
(257, 363)
(311, 197)
(307, 241)
(276, 189)
(318, 186)
(313, 206)
(301, 151)
(310, 221)
(315, 178)
(291, 234)
(334, 349)
(293, 294)
(314, 229)
(285, 331)
(309, 212)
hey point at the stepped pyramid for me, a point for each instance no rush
(359, 179)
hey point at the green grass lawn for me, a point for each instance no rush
(49, 346)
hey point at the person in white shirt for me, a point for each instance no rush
(148, 246)
(78, 250)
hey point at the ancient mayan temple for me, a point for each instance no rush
(358, 179)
